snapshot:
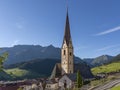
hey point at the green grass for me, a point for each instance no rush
(113, 67)
(116, 88)
(16, 72)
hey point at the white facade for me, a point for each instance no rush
(51, 86)
(33, 87)
(69, 83)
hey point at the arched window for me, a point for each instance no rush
(64, 52)
(70, 54)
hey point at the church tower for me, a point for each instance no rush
(67, 62)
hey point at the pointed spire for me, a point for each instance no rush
(67, 35)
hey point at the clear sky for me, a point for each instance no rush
(95, 24)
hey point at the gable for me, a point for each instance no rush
(65, 78)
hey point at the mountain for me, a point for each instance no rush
(24, 60)
(4, 76)
(98, 61)
(40, 68)
(109, 67)
(101, 60)
(21, 53)
(31, 69)
(88, 61)
(116, 59)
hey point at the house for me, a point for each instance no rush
(67, 80)
(51, 85)
(33, 87)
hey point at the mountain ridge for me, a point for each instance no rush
(98, 61)
(21, 53)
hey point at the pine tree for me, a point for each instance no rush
(79, 80)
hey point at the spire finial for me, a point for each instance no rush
(67, 5)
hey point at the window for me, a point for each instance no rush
(64, 52)
(70, 54)
(65, 84)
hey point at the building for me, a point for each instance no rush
(51, 85)
(67, 81)
(67, 65)
(67, 62)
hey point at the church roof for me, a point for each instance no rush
(84, 71)
(67, 35)
(72, 76)
(56, 71)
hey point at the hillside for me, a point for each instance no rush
(21, 53)
(89, 61)
(4, 76)
(116, 58)
(112, 67)
(35, 66)
(101, 60)
(30, 69)
(24, 60)
(17, 73)
(98, 61)
(40, 68)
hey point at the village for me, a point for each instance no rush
(65, 75)
(24, 70)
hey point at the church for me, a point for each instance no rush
(68, 65)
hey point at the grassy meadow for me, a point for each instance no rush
(113, 67)
(116, 88)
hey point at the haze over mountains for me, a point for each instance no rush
(22, 53)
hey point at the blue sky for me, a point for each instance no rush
(95, 24)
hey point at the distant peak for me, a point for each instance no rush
(26, 45)
(51, 45)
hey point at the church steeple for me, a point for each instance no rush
(67, 62)
(67, 35)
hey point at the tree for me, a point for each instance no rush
(3, 57)
(79, 80)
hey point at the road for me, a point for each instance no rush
(108, 85)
